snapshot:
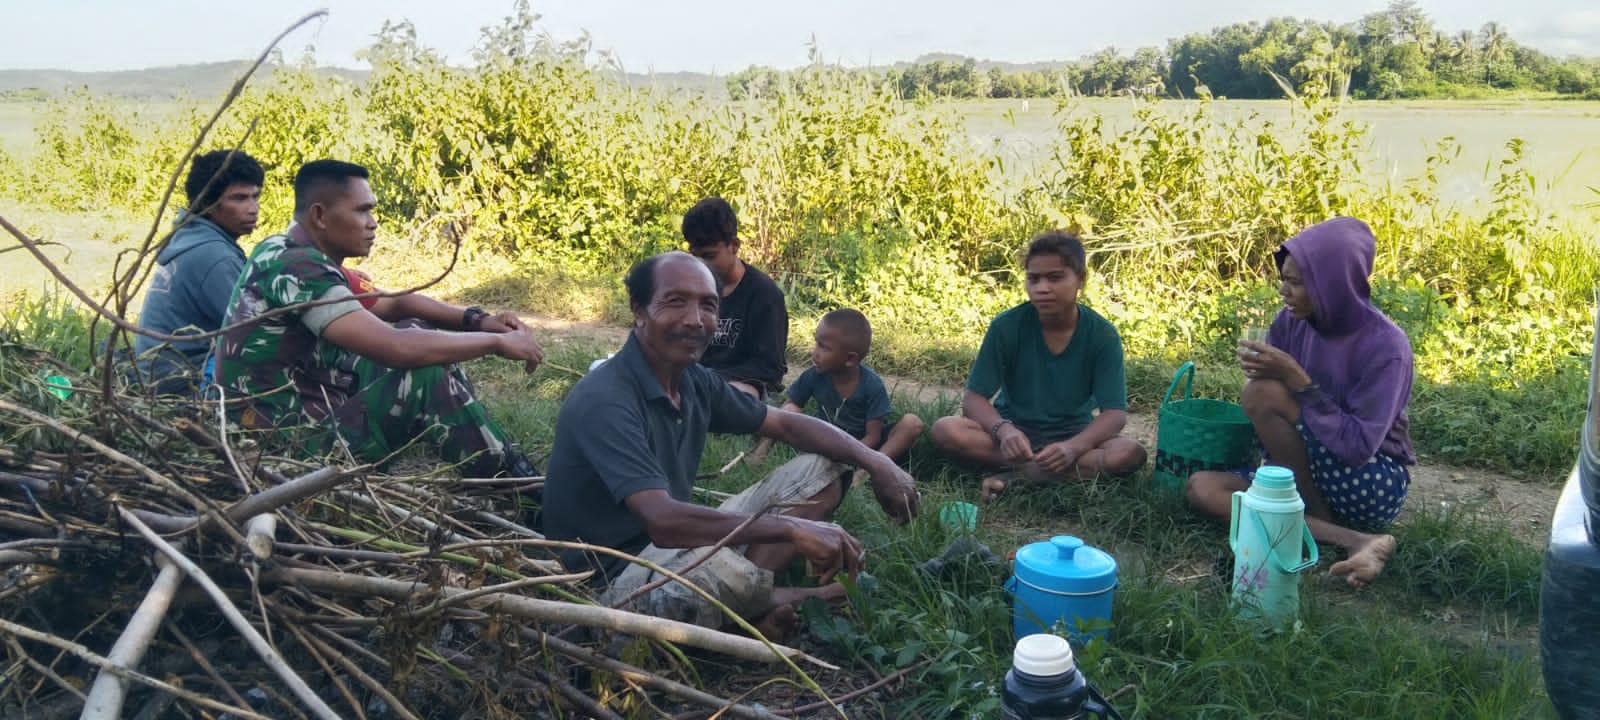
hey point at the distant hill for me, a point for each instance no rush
(211, 80)
(984, 65)
(201, 81)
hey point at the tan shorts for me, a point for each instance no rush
(727, 575)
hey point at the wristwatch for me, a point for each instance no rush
(472, 317)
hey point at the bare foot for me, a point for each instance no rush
(996, 484)
(1037, 475)
(778, 623)
(1364, 565)
(858, 478)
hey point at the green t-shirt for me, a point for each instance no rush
(1042, 390)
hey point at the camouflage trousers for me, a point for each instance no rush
(433, 405)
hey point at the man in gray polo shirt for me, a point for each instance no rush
(628, 444)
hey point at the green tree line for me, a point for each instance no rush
(1396, 53)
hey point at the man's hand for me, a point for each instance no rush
(828, 549)
(1261, 361)
(896, 492)
(520, 345)
(1014, 445)
(501, 322)
(1057, 457)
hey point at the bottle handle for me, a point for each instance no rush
(1097, 705)
(1233, 521)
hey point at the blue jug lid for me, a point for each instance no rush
(1065, 564)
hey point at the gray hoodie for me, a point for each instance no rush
(194, 277)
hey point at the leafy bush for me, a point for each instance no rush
(849, 195)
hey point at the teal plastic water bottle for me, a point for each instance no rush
(1271, 546)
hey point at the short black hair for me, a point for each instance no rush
(641, 278)
(316, 177)
(641, 281)
(211, 174)
(710, 222)
(853, 329)
(1064, 244)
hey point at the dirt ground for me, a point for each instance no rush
(1526, 507)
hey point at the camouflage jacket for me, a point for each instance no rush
(279, 372)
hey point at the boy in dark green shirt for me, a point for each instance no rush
(848, 394)
(1043, 370)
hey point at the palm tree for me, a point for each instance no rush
(1494, 44)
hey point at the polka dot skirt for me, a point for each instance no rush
(1368, 497)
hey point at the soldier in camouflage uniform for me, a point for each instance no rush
(339, 372)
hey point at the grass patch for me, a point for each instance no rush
(1446, 634)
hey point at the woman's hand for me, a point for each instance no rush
(1261, 361)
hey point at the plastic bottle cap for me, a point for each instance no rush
(1274, 476)
(1274, 483)
(1043, 655)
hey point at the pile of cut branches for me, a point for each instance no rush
(139, 547)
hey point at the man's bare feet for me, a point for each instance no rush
(776, 625)
(993, 485)
(833, 593)
(780, 619)
(1366, 562)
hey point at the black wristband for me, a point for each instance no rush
(472, 317)
(994, 430)
(1309, 388)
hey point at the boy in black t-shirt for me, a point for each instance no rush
(849, 394)
(752, 321)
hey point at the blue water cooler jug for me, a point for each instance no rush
(1062, 580)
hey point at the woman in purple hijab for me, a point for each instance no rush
(1327, 394)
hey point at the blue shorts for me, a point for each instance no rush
(1368, 497)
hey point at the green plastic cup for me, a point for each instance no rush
(959, 516)
(59, 386)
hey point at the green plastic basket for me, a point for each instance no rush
(1194, 434)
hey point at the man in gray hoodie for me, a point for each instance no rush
(197, 269)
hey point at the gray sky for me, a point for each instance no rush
(708, 35)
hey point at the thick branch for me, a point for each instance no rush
(88, 656)
(669, 631)
(301, 690)
(106, 695)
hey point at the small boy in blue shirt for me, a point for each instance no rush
(847, 393)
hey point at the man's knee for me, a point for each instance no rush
(913, 425)
(1125, 455)
(1261, 398)
(950, 433)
